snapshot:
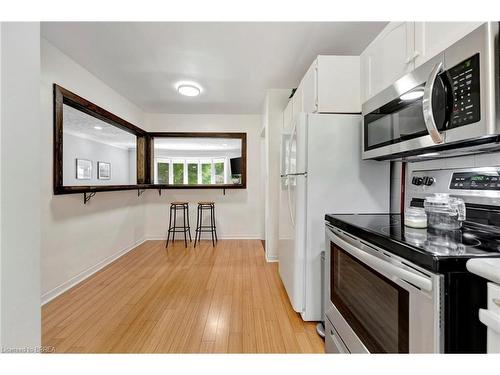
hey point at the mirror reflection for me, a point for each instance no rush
(95, 152)
(197, 161)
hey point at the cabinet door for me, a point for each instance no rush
(287, 115)
(310, 90)
(297, 104)
(388, 57)
(338, 84)
(432, 38)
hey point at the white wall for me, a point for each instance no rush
(20, 186)
(82, 148)
(76, 238)
(237, 212)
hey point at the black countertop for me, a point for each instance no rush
(437, 251)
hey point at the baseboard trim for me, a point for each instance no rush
(57, 291)
(272, 259)
(207, 237)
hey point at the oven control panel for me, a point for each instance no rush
(477, 185)
(487, 180)
(464, 79)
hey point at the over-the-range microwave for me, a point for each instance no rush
(445, 107)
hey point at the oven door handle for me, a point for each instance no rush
(430, 124)
(490, 319)
(382, 265)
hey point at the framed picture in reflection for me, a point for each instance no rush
(83, 169)
(103, 170)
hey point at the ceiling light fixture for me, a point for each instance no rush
(188, 88)
(98, 127)
(412, 95)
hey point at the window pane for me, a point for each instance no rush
(192, 174)
(206, 173)
(178, 173)
(219, 173)
(163, 173)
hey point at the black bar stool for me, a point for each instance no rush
(174, 207)
(205, 206)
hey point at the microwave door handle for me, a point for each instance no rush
(430, 124)
(382, 265)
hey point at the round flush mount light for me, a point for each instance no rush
(98, 127)
(188, 88)
(412, 95)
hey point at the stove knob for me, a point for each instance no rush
(428, 181)
(419, 181)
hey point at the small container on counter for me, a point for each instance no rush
(444, 212)
(415, 217)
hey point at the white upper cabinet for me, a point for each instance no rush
(434, 37)
(332, 85)
(338, 84)
(387, 58)
(403, 46)
(310, 89)
(297, 101)
(287, 115)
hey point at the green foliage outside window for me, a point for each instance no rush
(206, 173)
(219, 173)
(163, 173)
(178, 173)
(192, 174)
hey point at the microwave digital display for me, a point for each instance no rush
(464, 79)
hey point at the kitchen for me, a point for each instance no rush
(420, 124)
(347, 200)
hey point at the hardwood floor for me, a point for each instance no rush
(226, 299)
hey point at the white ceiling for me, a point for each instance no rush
(81, 125)
(234, 62)
(197, 144)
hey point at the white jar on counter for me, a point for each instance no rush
(415, 217)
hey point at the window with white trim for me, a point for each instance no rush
(189, 171)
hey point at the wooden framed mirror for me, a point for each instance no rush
(95, 150)
(198, 160)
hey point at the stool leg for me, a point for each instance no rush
(175, 225)
(212, 224)
(184, 219)
(215, 226)
(197, 226)
(189, 225)
(169, 227)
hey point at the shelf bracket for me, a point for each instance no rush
(140, 191)
(87, 197)
(159, 192)
(224, 191)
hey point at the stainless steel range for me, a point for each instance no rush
(395, 289)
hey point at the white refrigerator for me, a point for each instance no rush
(321, 172)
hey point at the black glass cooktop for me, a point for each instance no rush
(432, 249)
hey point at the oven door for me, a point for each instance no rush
(379, 303)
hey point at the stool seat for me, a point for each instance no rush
(210, 207)
(185, 227)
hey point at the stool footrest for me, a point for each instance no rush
(178, 230)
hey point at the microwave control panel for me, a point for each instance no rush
(475, 181)
(464, 79)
